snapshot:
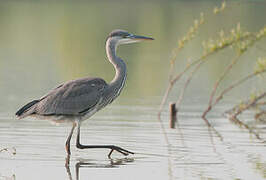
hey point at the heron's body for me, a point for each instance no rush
(77, 100)
(74, 100)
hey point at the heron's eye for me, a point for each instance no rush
(127, 35)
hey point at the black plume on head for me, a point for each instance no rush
(118, 32)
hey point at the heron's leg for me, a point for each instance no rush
(69, 139)
(112, 147)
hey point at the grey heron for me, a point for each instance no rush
(79, 99)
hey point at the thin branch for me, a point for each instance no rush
(211, 127)
(251, 130)
(181, 96)
(202, 58)
(242, 49)
(200, 61)
(233, 116)
(235, 85)
(250, 104)
(261, 103)
(164, 131)
(166, 94)
(173, 81)
(260, 115)
(218, 82)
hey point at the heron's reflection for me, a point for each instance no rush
(87, 163)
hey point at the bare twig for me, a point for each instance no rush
(164, 131)
(242, 49)
(261, 116)
(261, 103)
(219, 80)
(181, 43)
(251, 130)
(202, 60)
(180, 98)
(212, 128)
(227, 43)
(229, 88)
(236, 110)
(166, 94)
(173, 81)
(248, 105)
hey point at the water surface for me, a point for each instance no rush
(44, 43)
(195, 152)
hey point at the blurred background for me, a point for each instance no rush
(44, 43)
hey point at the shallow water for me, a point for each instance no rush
(45, 43)
(193, 152)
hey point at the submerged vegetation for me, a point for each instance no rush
(240, 41)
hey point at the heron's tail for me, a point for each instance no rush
(22, 112)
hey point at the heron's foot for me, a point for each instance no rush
(120, 150)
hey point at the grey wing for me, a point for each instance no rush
(72, 98)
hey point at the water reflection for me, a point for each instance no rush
(13, 177)
(195, 153)
(88, 163)
(46, 43)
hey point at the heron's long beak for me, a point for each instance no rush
(135, 37)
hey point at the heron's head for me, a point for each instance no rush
(123, 37)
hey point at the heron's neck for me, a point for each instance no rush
(120, 67)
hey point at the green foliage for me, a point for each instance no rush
(239, 39)
(188, 37)
(260, 65)
(217, 10)
(261, 33)
(236, 37)
(192, 32)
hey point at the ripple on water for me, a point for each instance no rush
(193, 150)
